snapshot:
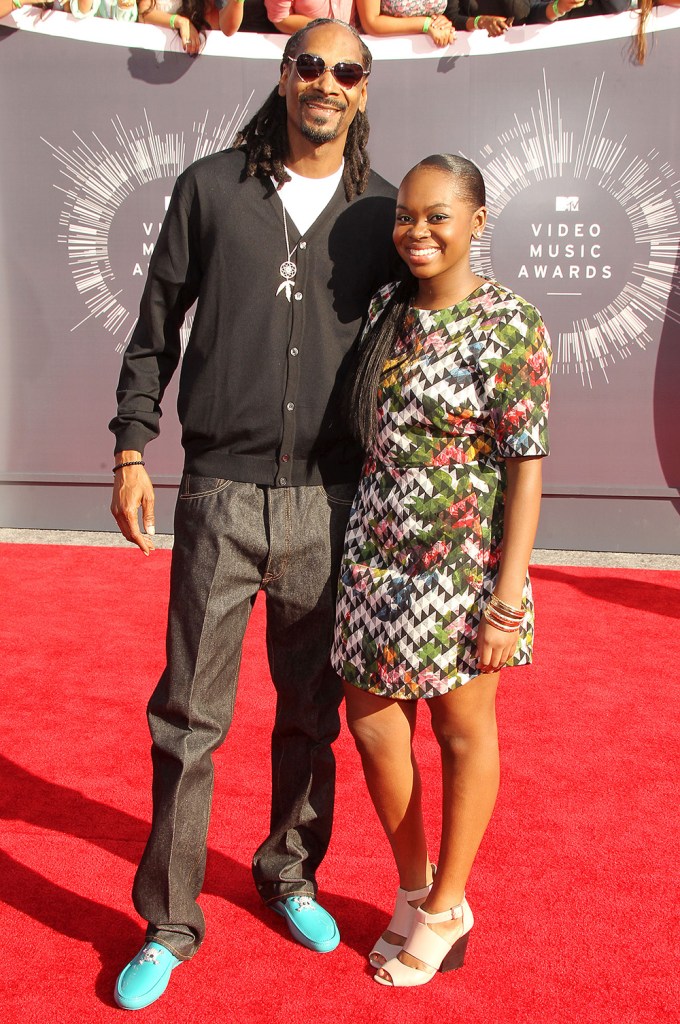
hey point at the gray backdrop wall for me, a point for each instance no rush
(581, 153)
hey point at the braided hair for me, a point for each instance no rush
(265, 137)
(377, 343)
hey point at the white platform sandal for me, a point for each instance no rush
(431, 949)
(401, 924)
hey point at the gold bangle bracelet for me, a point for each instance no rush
(498, 625)
(507, 609)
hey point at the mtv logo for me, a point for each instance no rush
(566, 204)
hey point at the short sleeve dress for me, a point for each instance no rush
(465, 388)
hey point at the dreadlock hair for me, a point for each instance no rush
(377, 342)
(265, 137)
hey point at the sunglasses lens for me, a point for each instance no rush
(309, 67)
(348, 75)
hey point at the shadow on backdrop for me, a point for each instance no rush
(667, 390)
(159, 67)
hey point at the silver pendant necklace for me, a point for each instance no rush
(288, 268)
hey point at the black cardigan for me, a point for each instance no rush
(261, 379)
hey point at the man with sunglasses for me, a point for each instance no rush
(282, 240)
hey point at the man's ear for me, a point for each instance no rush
(363, 97)
(285, 72)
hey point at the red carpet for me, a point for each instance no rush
(575, 888)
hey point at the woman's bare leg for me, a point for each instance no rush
(383, 731)
(464, 723)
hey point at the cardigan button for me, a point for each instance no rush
(298, 296)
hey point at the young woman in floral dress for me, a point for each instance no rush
(450, 400)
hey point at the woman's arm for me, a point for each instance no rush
(83, 8)
(191, 40)
(520, 522)
(292, 23)
(282, 15)
(522, 505)
(7, 6)
(438, 27)
(231, 16)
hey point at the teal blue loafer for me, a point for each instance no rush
(145, 978)
(309, 924)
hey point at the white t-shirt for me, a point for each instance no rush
(305, 198)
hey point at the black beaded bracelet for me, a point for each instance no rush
(121, 465)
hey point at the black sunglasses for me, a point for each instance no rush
(310, 67)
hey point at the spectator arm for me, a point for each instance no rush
(84, 8)
(230, 17)
(292, 23)
(458, 19)
(282, 15)
(376, 24)
(150, 16)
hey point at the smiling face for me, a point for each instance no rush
(322, 111)
(434, 226)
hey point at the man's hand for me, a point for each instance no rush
(494, 25)
(132, 488)
(563, 7)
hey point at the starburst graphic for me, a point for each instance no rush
(584, 227)
(101, 182)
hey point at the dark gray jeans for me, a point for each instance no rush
(231, 540)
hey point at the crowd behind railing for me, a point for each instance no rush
(440, 20)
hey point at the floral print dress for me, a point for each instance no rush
(465, 389)
(412, 8)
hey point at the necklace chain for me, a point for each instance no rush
(288, 268)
